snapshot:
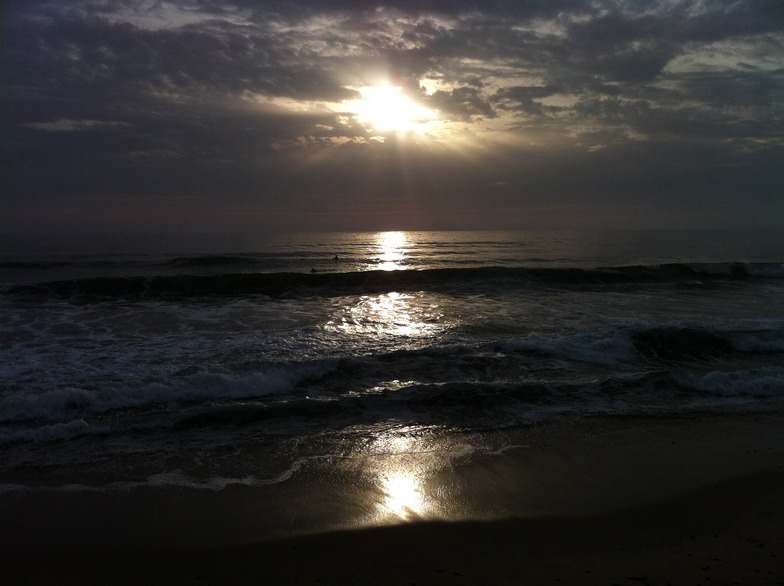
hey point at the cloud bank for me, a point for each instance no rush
(214, 115)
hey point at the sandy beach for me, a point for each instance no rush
(695, 500)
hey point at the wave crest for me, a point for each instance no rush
(177, 287)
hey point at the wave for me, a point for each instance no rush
(476, 404)
(68, 403)
(657, 345)
(468, 405)
(118, 262)
(171, 479)
(638, 371)
(681, 343)
(104, 262)
(277, 387)
(213, 260)
(34, 264)
(176, 287)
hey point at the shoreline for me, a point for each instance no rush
(588, 501)
(699, 538)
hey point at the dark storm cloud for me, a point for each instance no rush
(248, 105)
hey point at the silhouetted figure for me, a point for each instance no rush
(336, 257)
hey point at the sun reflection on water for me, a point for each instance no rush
(391, 246)
(403, 495)
(394, 314)
(403, 465)
(390, 314)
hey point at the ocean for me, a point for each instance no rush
(203, 362)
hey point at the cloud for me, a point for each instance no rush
(241, 104)
(66, 125)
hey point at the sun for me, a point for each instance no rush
(387, 108)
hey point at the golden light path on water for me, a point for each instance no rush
(404, 495)
(392, 315)
(388, 314)
(391, 247)
(401, 487)
(403, 465)
(399, 461)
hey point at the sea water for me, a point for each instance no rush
(210, 361)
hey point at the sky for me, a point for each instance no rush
(213, 115)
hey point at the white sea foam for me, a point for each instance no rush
(508, 448)
(772, 271)
(762, 341)
(171, 479)
(57, 431)
(607, 348)
(762, 382)
(63, 404)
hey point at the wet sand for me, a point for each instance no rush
(689, 501)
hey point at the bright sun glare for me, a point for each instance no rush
(391, 247)
(386, 108)
(403, 496)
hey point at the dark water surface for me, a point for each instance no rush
(208, 362)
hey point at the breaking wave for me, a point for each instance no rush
(178, 287)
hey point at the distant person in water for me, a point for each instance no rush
(335, 257)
